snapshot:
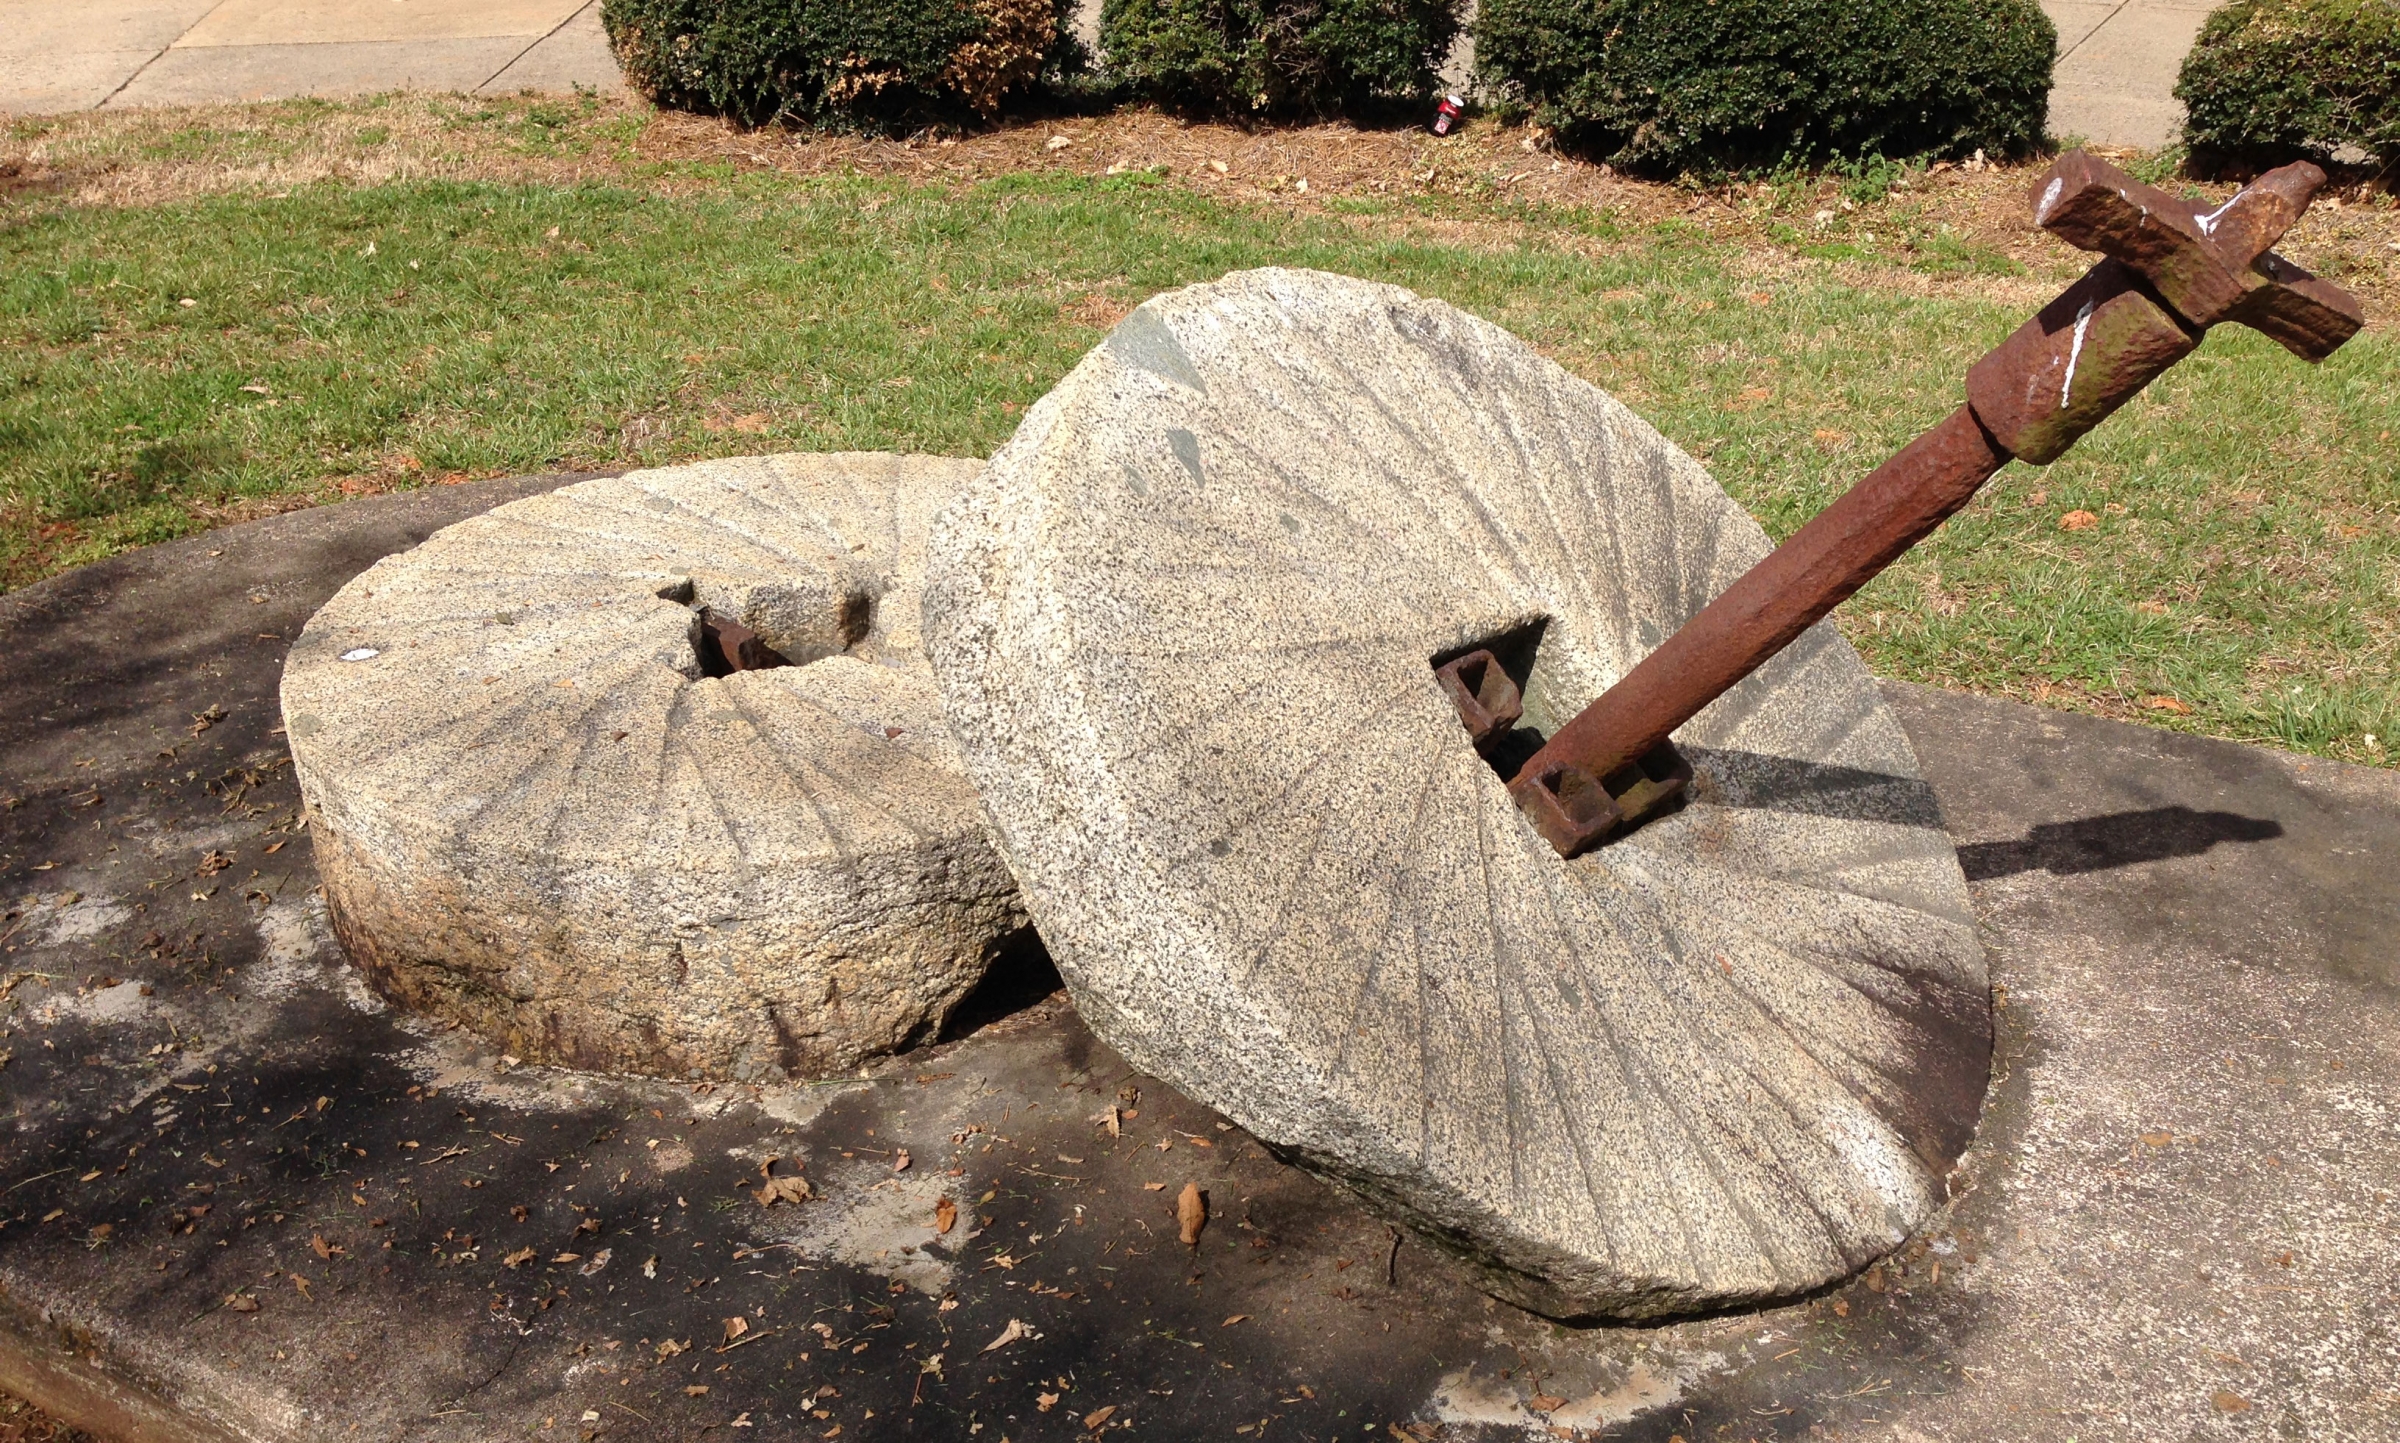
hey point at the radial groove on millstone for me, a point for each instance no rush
(538, 815)
(1184, 628)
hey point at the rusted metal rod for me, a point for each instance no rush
(2172, 271)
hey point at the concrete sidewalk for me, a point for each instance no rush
(90, 54)
(2114, 86)
(2117, 61)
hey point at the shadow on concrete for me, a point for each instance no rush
(2119, 839)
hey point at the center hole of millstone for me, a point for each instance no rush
(759, 627)
(1496, 687)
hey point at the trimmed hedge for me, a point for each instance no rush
(1278, 57)
(876, 63)
(2271, 80)
(1673, 85)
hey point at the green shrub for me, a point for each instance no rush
(1278, 57)
(2271, 80)
(1671, 85)
(878, 63)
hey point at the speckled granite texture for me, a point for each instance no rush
(1184, 628)
(536, 816)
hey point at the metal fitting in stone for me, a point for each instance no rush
(553, 802)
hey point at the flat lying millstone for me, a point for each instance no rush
(537, 814)
(1185, 628)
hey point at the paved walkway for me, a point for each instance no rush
(2117, 59)
(2115, 79)
(60, 55)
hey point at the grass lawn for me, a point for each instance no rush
(209, 318)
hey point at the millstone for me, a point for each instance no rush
(1185, 629)
(539, 815)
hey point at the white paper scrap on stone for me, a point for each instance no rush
(537, 816)
(1185, 626)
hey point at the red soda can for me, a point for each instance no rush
(1447, 113)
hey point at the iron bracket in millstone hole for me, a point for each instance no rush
(2171, 271)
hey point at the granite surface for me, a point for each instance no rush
(1185, 626)
(537, 814)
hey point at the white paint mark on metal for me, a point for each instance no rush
(2083, 326)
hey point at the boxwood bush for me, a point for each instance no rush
(1277, 57)
(1673, 85)
(2272, 80)
(874, 63)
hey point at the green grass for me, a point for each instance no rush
(2246, 563)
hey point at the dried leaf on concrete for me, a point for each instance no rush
(1191, 1214)
(945, 1216)
(1017, 1328)
(791, 1188)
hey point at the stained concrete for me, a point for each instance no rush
(2175, 1223)
(1185, 626)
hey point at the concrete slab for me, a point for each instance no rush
(215, 74)
(2077, 19)
(2174, 1223)
(327, 22)
(56, 57)
(573, 57)
(2115, 79)
(49, 84)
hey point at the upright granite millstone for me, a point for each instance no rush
(1185, 628)
(537, 814)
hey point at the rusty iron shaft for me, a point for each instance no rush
(2172, 272)
(1836, 553)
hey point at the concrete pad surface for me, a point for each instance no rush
(210, 75)
(72, 27)
(2174, 1223)
(2077, 19)
(324, 22)
(48, 84)
(56, 56)
(576, 55)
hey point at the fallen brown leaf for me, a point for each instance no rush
(2228, 1401)
(945, 1216)
(2078, 521)
(1191, 1214)
(1236, 1318)
(242, 1303)
(2167, 703)
(735, 1327)
(791, 1188)
(1548, 1402)
(518, 1259)
(1098, 1418)
(1017, 1328)
(1044, 1402)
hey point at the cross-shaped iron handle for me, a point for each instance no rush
(2171, 272)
